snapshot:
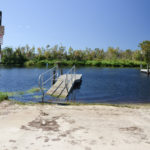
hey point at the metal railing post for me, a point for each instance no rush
(42, 89)
(42, 82)
(66, 82)
(54, 73)
(71, 76)
(75, 72)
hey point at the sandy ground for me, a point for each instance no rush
(88, 127)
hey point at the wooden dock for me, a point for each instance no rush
(145, 70)
(63, 85)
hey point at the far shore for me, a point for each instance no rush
(78, 63)
(28, 126)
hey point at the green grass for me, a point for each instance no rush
(29, 63)
(98, 63)
(37, 96)
(3, 96)
(33, 90)
(9, 94)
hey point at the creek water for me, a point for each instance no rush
(99, 85)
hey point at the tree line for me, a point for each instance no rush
(30, 55)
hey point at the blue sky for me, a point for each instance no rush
(76, 23)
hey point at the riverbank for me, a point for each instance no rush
(82, 127)
(86, 63)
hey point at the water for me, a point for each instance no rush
(99, 85)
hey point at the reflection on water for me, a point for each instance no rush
(99, 85)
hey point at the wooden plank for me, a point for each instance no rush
(59, 89)
(145, 70)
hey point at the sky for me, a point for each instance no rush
(77, 23)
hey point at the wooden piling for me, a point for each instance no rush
(58, 64)
(141, 66)
(148, 69)
(46, 65)
(54, 76)
(61, 71)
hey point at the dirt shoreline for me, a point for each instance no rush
(83, 127)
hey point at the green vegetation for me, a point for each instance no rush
(145, 47)
(3, 96)
(98, 63)
(115, 57)
(33, 90)
(37, 96)
(9, 94)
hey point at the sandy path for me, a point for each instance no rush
(54, 127)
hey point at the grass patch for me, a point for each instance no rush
(37, 96)
(10, 94)
(3, 96)
(20, 93)
(33, 90)
(6, 95)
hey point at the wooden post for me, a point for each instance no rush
(59, 68)
(61, 71)
(147, 69)
(46, 65)
(54, 76)
(141, 66)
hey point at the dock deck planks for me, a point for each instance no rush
(145, 70)
(59, 89)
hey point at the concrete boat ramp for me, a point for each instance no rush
(59, 85)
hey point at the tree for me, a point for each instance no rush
(7, 55)
(70, 51)
(112, 53)
(99, 53)
(128, 54)
(18, 57)
(137, 55)
(145, 47)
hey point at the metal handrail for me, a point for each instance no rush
(72, 72)
(43, 82)
(66, 81)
